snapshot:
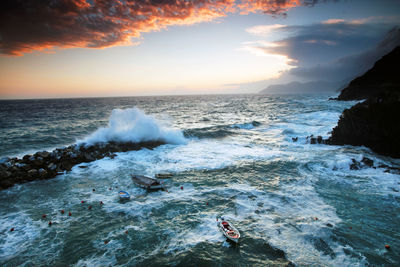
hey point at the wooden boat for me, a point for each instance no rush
(147, 182)
(123, 195)
(163, 175)
(228, 230)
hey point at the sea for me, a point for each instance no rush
(231, 156)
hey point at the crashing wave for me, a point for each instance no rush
(133, 125)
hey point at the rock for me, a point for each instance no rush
(355, 165)
(32, 173)
(88, 157)
(393, 170)
(319, 139)
(7, 164)
(42, 173)
(26, 158)
(367, 161)
(373, 123)
(66, 165)
(52, 167)
(382, 77)
(45, 165)
(313, 140)
(43, 154)
(38, 162)
(5, 174)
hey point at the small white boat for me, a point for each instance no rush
(147, 182)
(228, 230)
(123, 195)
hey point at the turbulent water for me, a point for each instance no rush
(233, 156)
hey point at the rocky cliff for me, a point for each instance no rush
(375, 122)
(383, 77)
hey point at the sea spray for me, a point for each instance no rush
(133, 125)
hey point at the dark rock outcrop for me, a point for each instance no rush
(374, 123)
(315, 140)
(46, 165)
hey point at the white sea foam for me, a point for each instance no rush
(25, 232)
(133, 125)
(286, 220)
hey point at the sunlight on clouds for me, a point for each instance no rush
(264, 30)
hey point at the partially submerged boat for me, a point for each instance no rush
(228, 230)
(147, 182)
(123, 195)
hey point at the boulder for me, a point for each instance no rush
(42, 173)
(43, 154)
(367, 161)
(52, 167)
(88, 157)
(26, 158)
(5, 174)
(355, 165)
(32, 173)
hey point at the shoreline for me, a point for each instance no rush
(45, 165)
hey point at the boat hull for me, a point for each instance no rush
(230, 232)
(147, 182)
(123, 195)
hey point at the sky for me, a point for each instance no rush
(100, 48)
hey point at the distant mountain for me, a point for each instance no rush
(384, 76)
(304, 88)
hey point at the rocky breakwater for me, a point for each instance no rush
(46, 165)
(375, 122)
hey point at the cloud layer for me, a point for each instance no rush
(28, 25)
(334, 49)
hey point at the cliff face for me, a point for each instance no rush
(383, 77)
(374, 123)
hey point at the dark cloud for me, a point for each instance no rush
(353, 65)
(28, 25)
(316, 43)
(335, 49)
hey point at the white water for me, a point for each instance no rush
(133, 125)
(270, 187)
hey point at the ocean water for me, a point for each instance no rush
(232, 156)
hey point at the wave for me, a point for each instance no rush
(246, 126)
(133, 125)
(209, 132)
(219, 131)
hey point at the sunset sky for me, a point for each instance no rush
(88, 48)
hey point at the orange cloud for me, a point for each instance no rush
(31, 25)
